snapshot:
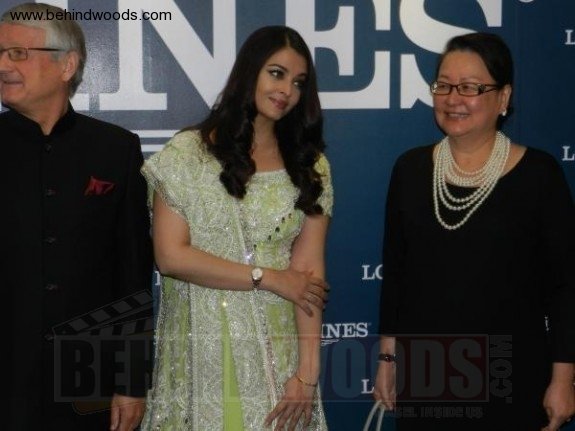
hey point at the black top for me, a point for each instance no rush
(507, 268)
(75, 232)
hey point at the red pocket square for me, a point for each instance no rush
(98, 187)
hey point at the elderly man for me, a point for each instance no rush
(75, 235)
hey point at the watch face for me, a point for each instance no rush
(257, 274)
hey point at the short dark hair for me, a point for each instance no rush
(299, 133)
(494, 52)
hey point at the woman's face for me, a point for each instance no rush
(280, 83)
(472, 117)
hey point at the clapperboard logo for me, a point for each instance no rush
(107, 344)
(112, 319)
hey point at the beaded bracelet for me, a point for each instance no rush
(303, 382)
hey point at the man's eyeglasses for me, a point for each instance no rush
(18, 53)
(468, 89)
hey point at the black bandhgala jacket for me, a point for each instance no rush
(76, 260)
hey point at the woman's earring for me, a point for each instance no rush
(504, 113)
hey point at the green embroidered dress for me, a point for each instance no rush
(222, 357)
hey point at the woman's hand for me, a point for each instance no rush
(301, 288)
(559, 403)
(384, 388)
(295, 406)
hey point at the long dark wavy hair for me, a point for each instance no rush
(228, 130)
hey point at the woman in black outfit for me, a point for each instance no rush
(479, 245)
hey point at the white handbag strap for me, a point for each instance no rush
(378, 405)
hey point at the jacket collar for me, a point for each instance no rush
(29, 127)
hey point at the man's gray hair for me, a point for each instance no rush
(63, 34)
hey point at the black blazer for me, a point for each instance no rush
(76, 256)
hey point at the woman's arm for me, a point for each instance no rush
(558, 239)
(177, 258)
(307, 257)
(393, 258)
(384, 388)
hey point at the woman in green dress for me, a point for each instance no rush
(241, 205)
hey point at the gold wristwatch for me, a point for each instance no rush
(257, 275)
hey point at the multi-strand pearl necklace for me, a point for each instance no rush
(484, 179)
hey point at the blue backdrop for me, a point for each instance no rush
(157, 73)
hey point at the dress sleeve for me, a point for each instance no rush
(393, 256)
(326, 198)
(558, 223)
(166, 172)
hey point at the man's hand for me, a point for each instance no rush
(127, 412)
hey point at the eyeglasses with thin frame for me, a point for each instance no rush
(18, 53)
(468, 89)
